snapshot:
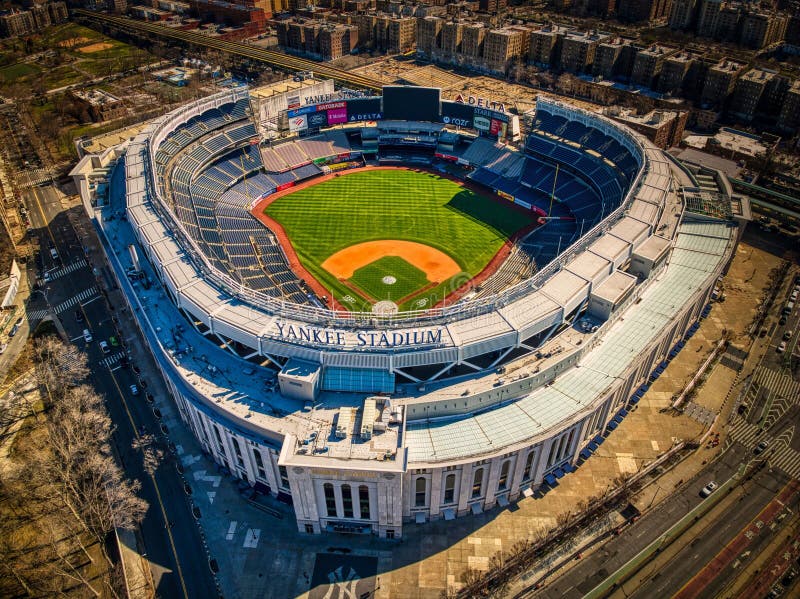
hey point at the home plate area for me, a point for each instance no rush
(343, 576)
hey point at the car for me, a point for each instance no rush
(134, 390)
(79, 316)
(13, 330)
(53, 254)
(781, 347)
(761, 447)
(113, 340)
(3, 348)
(104, 347)
(782, 320)
(87, 336)
(788, 335)
(46, 277)
(709, 489)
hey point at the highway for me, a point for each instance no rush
(178, 562)
(270, 57)
(596, 567)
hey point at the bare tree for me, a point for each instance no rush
(152, 452)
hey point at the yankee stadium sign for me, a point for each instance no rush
(377, 339)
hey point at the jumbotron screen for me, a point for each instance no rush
(409, 103)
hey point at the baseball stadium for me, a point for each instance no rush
(401, 308)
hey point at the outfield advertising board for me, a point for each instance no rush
(459, 115)
(318, 119)
(364, 109)
(482, 123)
(298, 123)
(337, 115)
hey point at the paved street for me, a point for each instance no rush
(176, 554)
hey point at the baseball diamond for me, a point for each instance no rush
(432, 222)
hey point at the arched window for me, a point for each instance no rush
(449, 488)
(363, 501)
(502, 482)
(347, 501)
(526, 475)
(419, 492)
(330, 500)
(477, 483)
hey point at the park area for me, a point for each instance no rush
(408, 236)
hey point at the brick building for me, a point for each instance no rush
(789, 115)
(653, 11)
(720, 82)
(648, 64)
(759, 30)
(545, 45)
(663, 127)
(504, 46)
(395, 34)
(16, 23)
(607, 58)
(578, 50)
(682, 14)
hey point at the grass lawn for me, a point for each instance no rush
(395, 204)
(14, 72)
(407, 278)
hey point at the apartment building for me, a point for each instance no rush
(545, 44)
(682, 14)
(663, 127)
(607, 58)
(789, 115)
(648, 64)
(759, 30)
(720, 82)
(653, 12)
(429, 35)
(708, 17)
(578, 50)
(472, 42)
(395, 34)
(676, 74)
(451, 36)
(504, 46)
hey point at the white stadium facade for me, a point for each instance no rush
(364, 422)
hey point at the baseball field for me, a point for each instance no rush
(408, 236)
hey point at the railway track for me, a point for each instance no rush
(270, 57)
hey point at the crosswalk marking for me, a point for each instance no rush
(784, 390)
(74, 300)
(111, 360)
(779, 453)
(69, 268)
(86, 294)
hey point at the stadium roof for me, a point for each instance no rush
(700, 250)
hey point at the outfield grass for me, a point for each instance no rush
(408, 278)
(395, 204)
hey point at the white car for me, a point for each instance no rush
(3, 348)
(709, 489)
(134, 390)
(104, 347)
(781, 347)
(87, 336)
